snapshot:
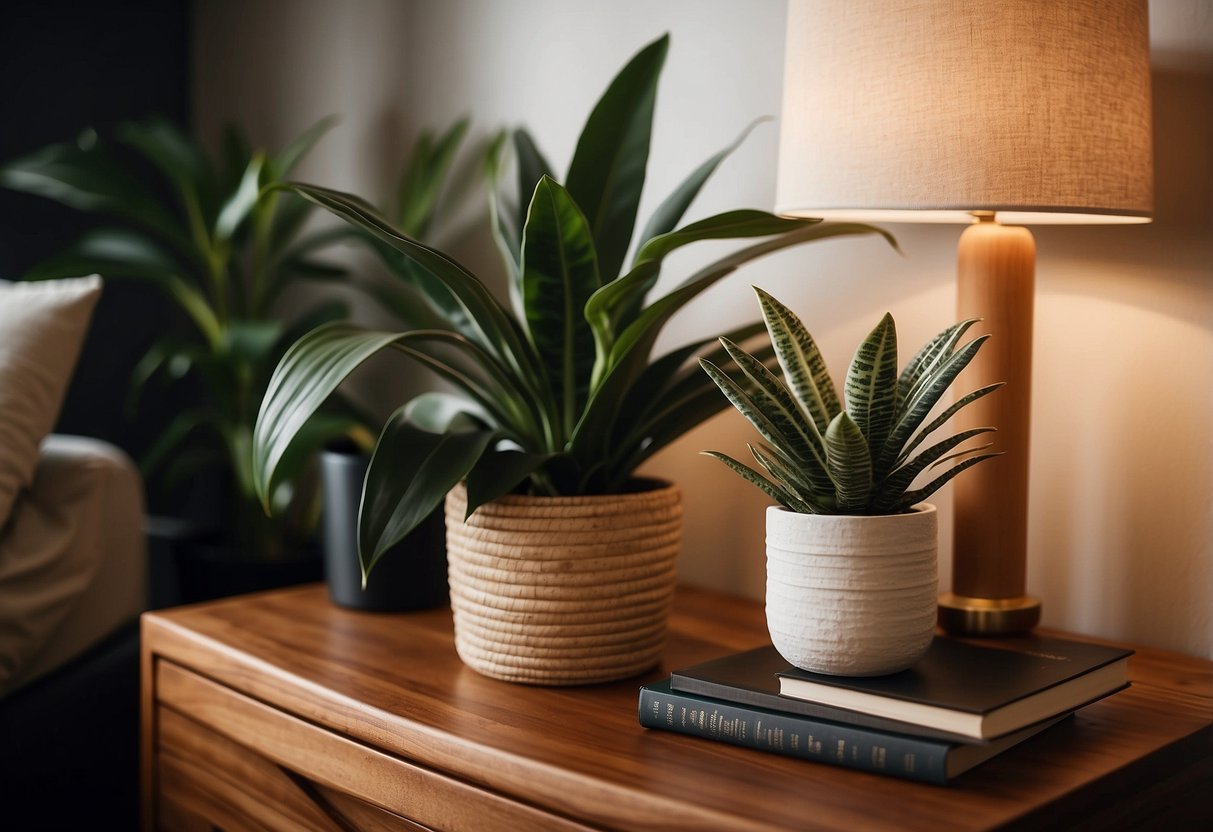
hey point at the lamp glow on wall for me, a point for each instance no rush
(1022, 111)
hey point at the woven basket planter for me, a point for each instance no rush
(563, 590)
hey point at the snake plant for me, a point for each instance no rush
(558, 392)
(861, 457)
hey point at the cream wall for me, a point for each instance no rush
(1121, 526)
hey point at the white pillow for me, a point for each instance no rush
(42, 326)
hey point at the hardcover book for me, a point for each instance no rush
(752, 678)
(912, 758)
(983, 678)
(980, 691)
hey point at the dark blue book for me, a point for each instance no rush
(896, 755)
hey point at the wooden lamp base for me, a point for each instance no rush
(996, 272)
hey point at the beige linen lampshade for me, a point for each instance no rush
(1022, 111)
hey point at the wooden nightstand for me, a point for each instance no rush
(282, 711)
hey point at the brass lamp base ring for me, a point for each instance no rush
(964, 616)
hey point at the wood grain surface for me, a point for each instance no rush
(357, 703)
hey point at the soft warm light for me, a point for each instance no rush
(921, 110)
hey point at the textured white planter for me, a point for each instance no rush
(563, 590)
(852, 596)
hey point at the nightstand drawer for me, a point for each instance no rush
(227, 760)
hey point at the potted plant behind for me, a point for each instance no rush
(852, 550)
(414, 574)
(562, 561)
(224, 247)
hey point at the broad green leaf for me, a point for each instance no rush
(239, 205)
(630, 351)
(505, 227)
(178, 158)
(607, 173)
(559, 274)
(492, 387)
(498, 472)
(801, 361)
(728, 226)
(669, 213)
(423, 179)
(305, 377)
(247, 342)
(437, 411)
(410, 473)
(871, 384)
(497, 331)
(168, 441)
(532, 167)
(849, 463)
(91, 180)
(775, 492)
(283, 163)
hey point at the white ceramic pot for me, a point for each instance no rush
(852, 596)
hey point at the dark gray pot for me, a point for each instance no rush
(410, 576)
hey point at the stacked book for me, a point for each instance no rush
(960, 705)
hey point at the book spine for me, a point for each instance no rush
(793, 736)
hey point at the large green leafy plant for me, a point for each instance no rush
(217, 239)
(861, 457)
(559, 392)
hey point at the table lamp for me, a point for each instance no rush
(994, 114)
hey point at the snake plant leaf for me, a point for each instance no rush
(497, 332)
(532, 167)
(669, 213)
(559, 274)
(928, 359)
(410, 473)
(607, 173)
(925, 395)
(871, 384)
(775, 492)
(805, 445)
(788, 477)
(752, 410)
(849, 463)
(888, 492)
(801, 361)
(890, 451)
(422, 180)
(911, 498)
